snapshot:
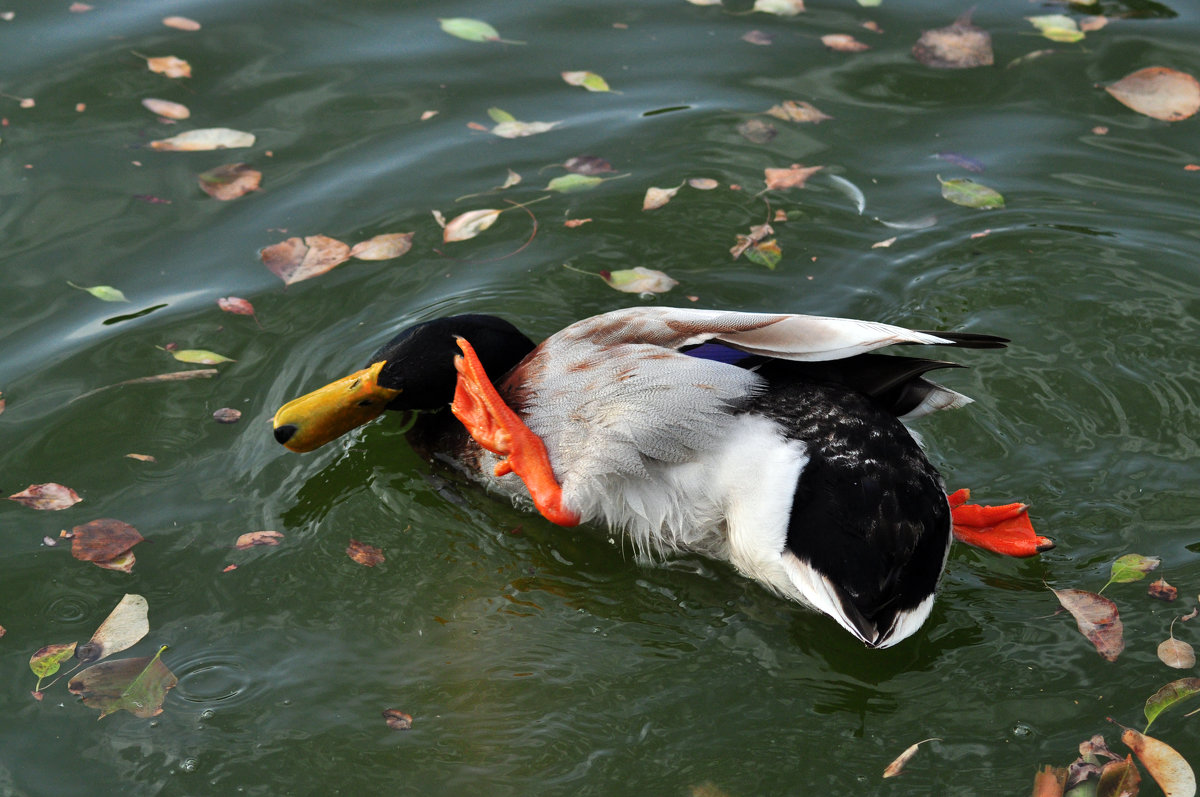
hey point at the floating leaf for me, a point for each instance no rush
(884, 244)
(105, 540)
(1159, 92)
(782, 8)
(142, 457)
(205, 139)
(181, 23)
(364, 554)
(473, 30)
(657, 197)
(227, 415)
(235, 305)
(515, 129)
(703, 183)
(588, 80)
(124, 627)
(957, 46)
(757, 234)
(1057, 27)
(897, 766)
(757, 131)
(1162, 590)
(1119, 778)
(49, 659)
(397, 720)
(383, 247)
(1176, 653)
(253, 538)
(794, 177)
(200, 357)
(638, 280)
(970, 164)
(1131, 567)
(765, 253)
(138, 686)
(174, 376)
(1171, 694)
(587, 164)
(758, 37)
(296, 259)
(170, 66)
(1168, 768)
(166, 108)
(970, 194)
(46, 496)
(1097, 618)
(105, 293)
(469, 224)
(843, 43)
(499, 115)
(230, 181)
(797, 111)
(570, 183)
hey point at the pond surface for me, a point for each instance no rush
(534, 659)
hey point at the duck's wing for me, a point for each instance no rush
(788, 337)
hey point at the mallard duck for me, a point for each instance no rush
(774, 442)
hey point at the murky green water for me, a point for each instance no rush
(537, 660)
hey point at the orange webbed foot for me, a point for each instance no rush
(494, 425)
(1000, 529)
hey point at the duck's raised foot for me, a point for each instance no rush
(498, 429)
(1000, 529)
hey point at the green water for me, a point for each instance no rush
(533, 659)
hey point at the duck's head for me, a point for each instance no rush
(412, 371)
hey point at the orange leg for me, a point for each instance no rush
(1000, 529)
(498, 429)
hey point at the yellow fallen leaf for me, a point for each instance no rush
(170, 66)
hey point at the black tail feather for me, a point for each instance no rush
(970, 340)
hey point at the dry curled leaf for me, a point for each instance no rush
(181, 23)
(253, 538)
(105, 542)
(166, 108)
(227, 415)
(797, 111)
(46, 496)
(364, 554)
(170, 66)
(793, 177)
(1159, 92)
(657, 197)
(896, 767)
(230, 181)
(1162, 590)
(204, 140)
(843, 43)
(235, 305)
(397, 720)
(957, 46)
(467, 225)
(298, 259)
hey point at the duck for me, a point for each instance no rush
(776, 442)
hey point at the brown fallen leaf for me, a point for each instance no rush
(383, 247)
(46, 496)
(230, 181)
(1175, 652)
(170, 66)
(105, 542)
(1168, 768)
(299, 259)
(960, 45)
(250, 539)
(141, 457)
(227, 415)
(166, 108)
(1096, 746)
(397, 720)
(896, 767)
(744, 242)
(758, 37)
(1097, 618)
(1049, 782)
(1158, 92)
(794, 177)
(235, 305)
(1119, 778)
(657, 197)
(1162, 590)
(575, 222)
(590, 165)
(703, 183)
(797, 111)
(843, 43)
(364, 554)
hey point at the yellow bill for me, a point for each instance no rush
(329, 412)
